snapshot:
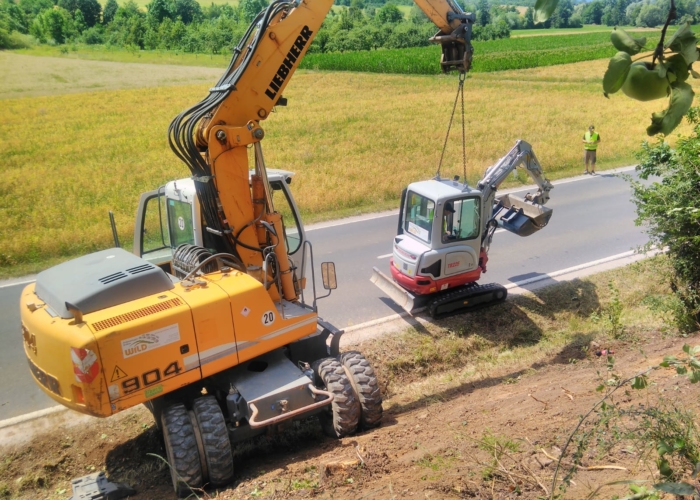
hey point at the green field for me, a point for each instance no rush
(495, 55)
(97, 138)
(588, 28)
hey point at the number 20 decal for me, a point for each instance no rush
(150, 377)
(268, 318)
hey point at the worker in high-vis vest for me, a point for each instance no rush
(590, 143)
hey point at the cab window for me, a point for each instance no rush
(419, 216)
(283, 205)
(180, 223)
(461, 219)
(154, 235)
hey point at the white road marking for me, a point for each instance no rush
(17, 283)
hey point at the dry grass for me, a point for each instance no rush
(31, 76)
(355, 141)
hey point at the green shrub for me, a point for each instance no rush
(668, 207)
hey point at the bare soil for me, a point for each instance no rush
(430, 448)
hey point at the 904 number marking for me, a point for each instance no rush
(150, 377)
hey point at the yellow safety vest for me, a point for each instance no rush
(591, 137)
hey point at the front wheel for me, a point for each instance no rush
(215, 441)
(366, 387)
(181, 449)
(343, 416)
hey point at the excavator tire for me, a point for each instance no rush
(366, 387)
(343, 417)
(181, 449)
(215, 441)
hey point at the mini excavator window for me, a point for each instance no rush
(463, 222)
(419, 216)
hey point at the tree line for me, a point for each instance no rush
(187, 26)
(359, 25)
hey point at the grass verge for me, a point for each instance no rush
(552, 325)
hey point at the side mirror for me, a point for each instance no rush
(328, 275)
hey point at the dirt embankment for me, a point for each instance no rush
(477, 406)
(436, 447)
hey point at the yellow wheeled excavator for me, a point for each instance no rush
(219, 341)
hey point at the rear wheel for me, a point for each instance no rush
(366, 387)
(215, 441)
(343, 416)
(181, 449)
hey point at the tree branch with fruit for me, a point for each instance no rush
(663, 77)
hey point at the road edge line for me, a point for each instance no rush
(27, 417)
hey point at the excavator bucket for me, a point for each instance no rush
(402, 297)
(521, 217)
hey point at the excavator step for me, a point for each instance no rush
(466, 298)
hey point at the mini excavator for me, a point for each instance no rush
(215, 336)
(445, 231)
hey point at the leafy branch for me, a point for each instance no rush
(664, 76)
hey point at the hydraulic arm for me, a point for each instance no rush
(212, 137)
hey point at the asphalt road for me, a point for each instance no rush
(593, 219)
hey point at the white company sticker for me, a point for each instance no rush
(151, 340)
(113, 392)
(423, 234)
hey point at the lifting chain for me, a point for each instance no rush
(460, 93)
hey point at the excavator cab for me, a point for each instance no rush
(171, 216)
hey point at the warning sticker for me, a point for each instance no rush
(85, 364)
(117, 374)
(245, 312)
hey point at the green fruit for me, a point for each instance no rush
(643, 83)
(625, 43)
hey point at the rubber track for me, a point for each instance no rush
(366, 386)
(217, 447)
(344, 416)
(461, 294)
(182, 450)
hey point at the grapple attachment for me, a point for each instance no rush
(520, 216)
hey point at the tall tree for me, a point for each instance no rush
(483, 15)
(111, 8)
(187, 10)
(91, 10)
(159, 10)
